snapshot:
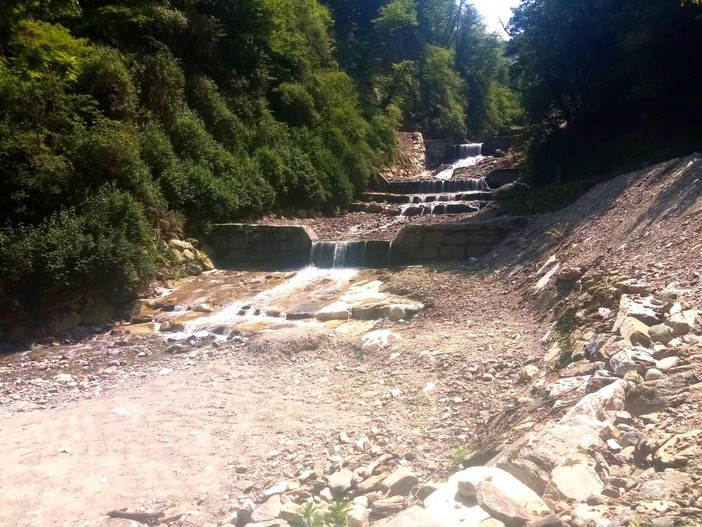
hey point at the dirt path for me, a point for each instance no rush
(231, 422)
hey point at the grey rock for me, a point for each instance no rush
(629, 359)
(268, 510)
(667, 363)
(654, 374)
(660, 333)
(358, 517)
(575, 482)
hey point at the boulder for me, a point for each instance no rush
(574, 482)
(388, 506)
(339, 310)
(629, 359)
(647, 310)
(654, 396)
(500, 506)
(683, 323)
(340, 482)
(269, 510)
(635, 331)
(660, 333)
(400, 482)
(358, 517)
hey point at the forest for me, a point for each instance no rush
(125, 123)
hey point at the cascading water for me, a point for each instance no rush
(468, 156)
(338, 254)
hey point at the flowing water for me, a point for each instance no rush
(468, 155)
(338, 254)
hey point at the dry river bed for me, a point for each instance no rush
(109, 420)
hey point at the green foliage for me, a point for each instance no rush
(441, 88)
(107, 244)
(460, 454)
(336, 516)
(602, 81)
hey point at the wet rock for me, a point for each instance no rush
(500, 506)
(400, 482)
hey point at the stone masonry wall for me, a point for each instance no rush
(417, 243)
(260, 246)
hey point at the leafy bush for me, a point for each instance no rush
(107, 243)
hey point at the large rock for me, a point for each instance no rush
(683, 323)
(647, 310)
(358, 517)
(660, 333)
(416, 517)
(500, 506)
(337, 311)
(629, 359)
(574, 482)
(564, 442)
(468, 482)
(654, 396)
(340, 482)
(400, 482)
(269, 510)
(388, 506)
(635, 332)
(679, 450)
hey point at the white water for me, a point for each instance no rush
(253, 309)
(469, 156)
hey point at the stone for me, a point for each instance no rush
(188, 255)
(467, 482)
(564, 442)
(358, 517)
(388, 506)
(654, 396)
(180, 245)
(635, 332)
(575, 482)
(667, 485)
(633, 286)
(290, 512)
(570, 274)
(599, 380)
(339, 310)
(96, 311)
(378, 339)
(396, 313)
(528, 373)
(632, 376)
(683, 323)
(400, 482)
(548, 521)
(371, 484)
(340, 482)
(193, 268)
(647, 310)
(416, 517)
(500, 506)
(667, 363)
(679, 450)
(426, 489)
(660, 333)
(653, 374)
(268, 510)
(629, 359)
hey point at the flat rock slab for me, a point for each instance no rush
(576, 482)
(400, 482)
(500, 506)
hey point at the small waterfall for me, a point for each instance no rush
(338, 254)
(469, 150)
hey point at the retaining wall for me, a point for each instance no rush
(419, 243)
(236, 245)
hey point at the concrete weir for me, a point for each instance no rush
(273, 247)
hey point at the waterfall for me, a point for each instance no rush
(338, 254)
(469, 150)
